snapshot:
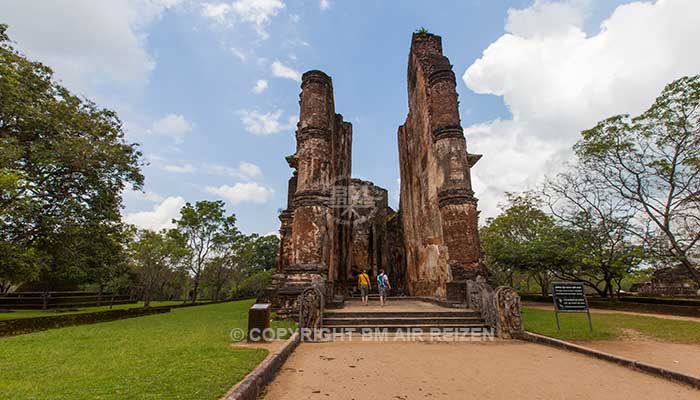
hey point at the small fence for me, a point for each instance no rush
(52, 300)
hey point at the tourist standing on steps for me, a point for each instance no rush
(384, 286)
(363, 283)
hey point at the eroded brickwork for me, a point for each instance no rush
(313, 246)
(334, 226)
(438, 208)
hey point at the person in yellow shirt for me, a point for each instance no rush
(363, 283)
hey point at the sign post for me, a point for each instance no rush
(569, 297)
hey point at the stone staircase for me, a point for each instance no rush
(405, 321)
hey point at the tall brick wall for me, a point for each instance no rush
(438, 208)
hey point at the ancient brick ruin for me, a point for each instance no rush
(334, 225)
(438, 207)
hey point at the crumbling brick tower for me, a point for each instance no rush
(313, 246)
(438, 208)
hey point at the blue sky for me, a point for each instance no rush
(210, 90)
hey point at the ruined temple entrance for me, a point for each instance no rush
(334, 225)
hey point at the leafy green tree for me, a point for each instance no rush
(265, 251)
(155, 255)
(653, 162)
(525, 238)
(63, 165)
(17, 264)
(255, 284)
(206, 230)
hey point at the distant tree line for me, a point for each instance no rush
(64, 163)
(629, 204)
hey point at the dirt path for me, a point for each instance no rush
(493, 370)
(679, 357)
(550, 307)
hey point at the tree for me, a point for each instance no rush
(205, 229)
(63, 165)
(17, 264)
(653, 161)
(155, 254)
(217, 274)
(603, 251)
(265, 252)
(525, 238)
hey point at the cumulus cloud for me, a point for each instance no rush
(324, 4)
(547, 18)
(84, 41)
(256, 12)
(242, 192)
(282, 71)
(267, 123)
(160, 217)
(245, 170)
(557, 81)
(172, 125)
(260, 86)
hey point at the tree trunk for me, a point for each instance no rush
(146, 298)
(45, 300)
(111, 301)
(194, 291)
(99, 295)
(692, 270)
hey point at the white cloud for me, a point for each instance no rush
(547, 18)
(179, 169)
(160, 217)
(243, 192)
(172, 125)
(249, 170)
(87, 43)
(239, 53)
(265, 123)
(141, 195)
(260, 86)
(245, 170)
(556, 81)
(217, 12)
(324, 4)
(256, 12)
(282, 71)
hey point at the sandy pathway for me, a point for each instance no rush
(494, 370)
(679, 357)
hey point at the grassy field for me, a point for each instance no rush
(609, 326)
(53, 312)
(184, 354)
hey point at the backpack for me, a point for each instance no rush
(381, 280)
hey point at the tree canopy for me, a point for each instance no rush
(64, 162)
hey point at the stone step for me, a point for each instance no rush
(403, 321)
(401, 314)
(413, 328)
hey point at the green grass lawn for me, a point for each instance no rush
(609, 326)
(185, 354)
(54, 312)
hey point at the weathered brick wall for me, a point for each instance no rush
(438, 209)
(313, 245)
